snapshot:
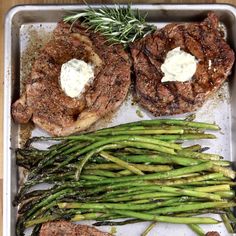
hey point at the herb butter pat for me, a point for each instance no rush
(75, 75)
(178, 66)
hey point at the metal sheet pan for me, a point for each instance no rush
(221, 108)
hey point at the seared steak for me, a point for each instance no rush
(49, 107)
(213, 233)
(205, 42)
(64, 228)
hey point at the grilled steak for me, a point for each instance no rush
(45, 102)
(64, 228)
(205, 42)
(213, 233)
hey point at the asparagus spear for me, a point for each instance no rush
(197, 229)
(124, 164)
(226, 221)
(184, 123)
(142, 167)
(193, 206)
(148, 229)
(169, 219)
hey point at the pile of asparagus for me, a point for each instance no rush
(139, 171)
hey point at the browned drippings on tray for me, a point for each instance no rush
(36, 38)
(221, 96)
(25, 133)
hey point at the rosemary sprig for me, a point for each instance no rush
(119, 24)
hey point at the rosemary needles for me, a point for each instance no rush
(119, 24)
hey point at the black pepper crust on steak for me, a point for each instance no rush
(49, 107)
(203, 40)
(64, 228)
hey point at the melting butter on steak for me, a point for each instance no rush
(49, 107)
(202, 40)
(64, 228)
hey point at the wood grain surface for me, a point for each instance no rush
(5, 5)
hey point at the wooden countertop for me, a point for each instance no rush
(5, 5)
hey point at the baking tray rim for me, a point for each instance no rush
(165, 6)
(7, 120)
